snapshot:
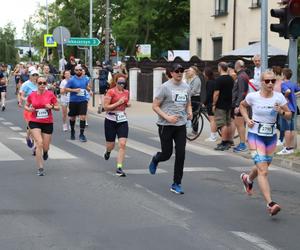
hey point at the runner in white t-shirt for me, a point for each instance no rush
(262, 138)
(64, 98)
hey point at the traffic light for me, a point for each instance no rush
(282, 26)
(294, 18)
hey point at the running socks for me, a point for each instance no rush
(72, 125)
(119, 165)
(82, 126)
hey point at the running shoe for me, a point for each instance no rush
(3, 108)
(285, 151)
(82, 138)
(222, 147)
(279, 143)
(120, 172)
(65, 127)
(72, 136)
(176, 188)
(211, 139)
(106, 155)
(45, 156)
(247, 186)
(29, 142)
(152, 166)
(240, 148)
(86, 124)
(40, 172)
(273, 208)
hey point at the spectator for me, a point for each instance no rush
(71, 65)
(257, 71)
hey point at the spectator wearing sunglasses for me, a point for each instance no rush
(288, 89)
(262, 137)
(40, 104)
(172, 103)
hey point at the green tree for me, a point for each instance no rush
(8, 52)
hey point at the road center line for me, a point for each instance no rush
(7, 123)
(259, 242)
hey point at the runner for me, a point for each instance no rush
(172, 103)
(3, 86)
(64, 98)
(116, 124)
(78, 86)
(40, 104)
(262, 137)
(25, 90)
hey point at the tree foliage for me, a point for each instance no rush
(8, 52)
(162, 23)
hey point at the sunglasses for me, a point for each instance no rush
(267, 81)
(78, 69)
(177, 71)
(42, 83)
(35, 75)
(121, 83)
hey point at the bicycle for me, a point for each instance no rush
(198, 124)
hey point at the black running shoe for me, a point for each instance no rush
(72, 136)
(40, 172)
(120, 172)
(3, 108)
(106, 155)
(45, 155)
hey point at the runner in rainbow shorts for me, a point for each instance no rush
(262, 138)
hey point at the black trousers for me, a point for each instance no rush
(167, 135)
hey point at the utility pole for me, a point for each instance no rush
(107, 30)
(264, 35)
(91, 36)
(29, 33)
(47, 26)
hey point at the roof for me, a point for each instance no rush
(254, 49)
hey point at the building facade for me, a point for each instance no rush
(219, 26)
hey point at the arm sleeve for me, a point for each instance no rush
(160, 93)
(196, 87)
(249, 99)
(284, 88)
(69, 84)
(282, 100)
(53, 99)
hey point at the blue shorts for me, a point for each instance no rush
(287, 125)
(262, 148)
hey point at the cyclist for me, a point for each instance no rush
(172, 103)
(115, 102)
(40, 104)
(262, 137)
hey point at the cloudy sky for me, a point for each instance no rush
(17, 11)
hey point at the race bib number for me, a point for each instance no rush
(180, 97)
(42, 113)
(265, 129)
(121, 117)
(82, 92)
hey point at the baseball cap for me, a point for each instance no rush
(34, 72)
(176, 66)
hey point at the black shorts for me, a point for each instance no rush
(113, 129)
(3, 89)
(102, 90)
(77, 108)
(46, 128)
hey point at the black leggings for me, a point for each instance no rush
(167, 134)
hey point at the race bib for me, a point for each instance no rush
(121, 117)
(42, 113)
(265, 129)
(82, 92)
(180, 97)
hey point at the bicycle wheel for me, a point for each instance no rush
(197, 127)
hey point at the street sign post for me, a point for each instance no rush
(81, 41)
(61, 34)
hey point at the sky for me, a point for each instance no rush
(16, 11)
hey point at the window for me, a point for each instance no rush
(221, 7)
(199, 47)
(217, 47)
(255, 4)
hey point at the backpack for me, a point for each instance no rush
(103, 78)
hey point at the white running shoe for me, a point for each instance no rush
(211, 139)
(65, 127)
(279, 143)
(285, 151)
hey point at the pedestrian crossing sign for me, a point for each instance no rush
(49, 41)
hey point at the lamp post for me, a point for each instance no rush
(107, 30)
(91, 36)
(47, 26)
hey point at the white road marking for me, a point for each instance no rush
(197, 149)
(202, 169)
(2, 119)
(16, 128)
(144, 171)
(23, 134)
(94, 148)
(161, 198)
(7, 123)
(7, 154)
(246, 169)
(257, 241)
(141, 147)
(54, 152)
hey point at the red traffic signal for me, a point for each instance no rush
(294, 7)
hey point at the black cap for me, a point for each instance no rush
(176, 66)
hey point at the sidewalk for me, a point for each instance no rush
(141, 116)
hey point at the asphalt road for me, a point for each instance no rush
(81, 204)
